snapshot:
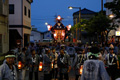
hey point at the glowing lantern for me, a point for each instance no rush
(19, 65)
(59, 17)
(40, 66)
(49, 27)
(52, 64)
(55, 35)
(63, 34)
(69, 27)
(81, 69)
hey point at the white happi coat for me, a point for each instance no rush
(6, 73)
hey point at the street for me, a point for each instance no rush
(62, 39)
(41, 75)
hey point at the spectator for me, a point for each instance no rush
(94, 69)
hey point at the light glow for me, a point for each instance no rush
(46, 23)
(49, 27)
(59, 17)
(52, 64)
(81, 69)
(70, 7)
(63, 34)
(69, 27)
(117, 33)
(111, 16)
(40, 66)
(19, 65)
(55, 35)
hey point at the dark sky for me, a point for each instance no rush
(45, 11)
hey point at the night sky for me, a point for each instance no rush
(45, 11)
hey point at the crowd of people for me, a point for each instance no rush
(91, 62)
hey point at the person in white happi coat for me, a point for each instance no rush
(94, 69)
(7, 69)
(54, 61)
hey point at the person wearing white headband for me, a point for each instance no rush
(94, 69)
(7, 69)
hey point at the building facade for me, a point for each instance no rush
(36, 36)
(4, 28)
(85, 14)
(47, 35)
(20, 20)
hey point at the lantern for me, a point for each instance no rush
(81, 69)
(69, 27)
(55, 35)
(19, 65)
(63, 34)
(49, 27)
(52, 64)
(40, 66)
(59, 18)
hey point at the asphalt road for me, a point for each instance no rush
(40, 77)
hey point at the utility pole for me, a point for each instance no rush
(80, 23)
(76, 30)
(101, 5)
(70, 7)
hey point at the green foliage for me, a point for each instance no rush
(80, 25)
(99, 24)
(114, 7)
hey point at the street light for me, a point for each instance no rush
(70, 7)
(111, 16)
(46, 23)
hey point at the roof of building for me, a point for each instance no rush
(45, 32)
(35, 30)
(85, 11)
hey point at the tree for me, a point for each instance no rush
(79, 26)
(98, 25)
(114, 6)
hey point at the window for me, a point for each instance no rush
(25, 10)
(11, 9)
(0, 43)
(29, 13)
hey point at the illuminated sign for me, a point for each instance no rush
(117, 33)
